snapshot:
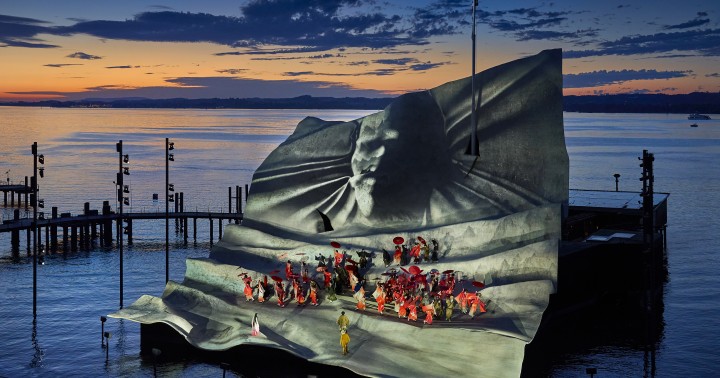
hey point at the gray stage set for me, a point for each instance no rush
(404, 172)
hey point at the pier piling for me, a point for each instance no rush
(53, 231)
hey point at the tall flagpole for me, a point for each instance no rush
(473, 120)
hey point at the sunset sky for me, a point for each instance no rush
(73, 49)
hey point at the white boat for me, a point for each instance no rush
(698, 116)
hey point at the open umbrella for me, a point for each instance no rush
(420, 238)
(448, 271)
(398, 240)
(276, 278)
(335, 244)
(415, 270)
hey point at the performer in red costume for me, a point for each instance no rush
(429, 312)
(288, 270)
(462, 300)
(338, 258)
(397, 257)
(379, 295)
(248, 290)
(313, 293)
(280, 293)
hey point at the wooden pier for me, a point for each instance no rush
(66, 232)
(19, 190)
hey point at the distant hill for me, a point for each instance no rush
(301, 102)
(698, 102)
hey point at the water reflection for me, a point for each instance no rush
(609, 335)
(39, 353)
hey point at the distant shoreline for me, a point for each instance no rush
(696, 102)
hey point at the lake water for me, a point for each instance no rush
(215, 149)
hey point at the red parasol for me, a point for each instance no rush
(398, 240)
(414, 270)
(448, 271)
(422, 240)
(478, 284)
(276, 278)
(335, 244)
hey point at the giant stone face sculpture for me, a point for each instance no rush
(401, 171)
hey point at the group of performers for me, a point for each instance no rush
(409, 290)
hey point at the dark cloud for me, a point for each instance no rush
(425, 66)
(160, 7)
(20, 20)
(714, 74)
(358, 63)
(395, 62)
(316, 24)
(703, 42)
(280, 58)
(402, 65)
(293, 25)
(298, 73)
(272, 51)
(555, 35)
(82, 55)
(603, 77)
(687, 25)
(21, 32)
(59, 65)
(702, 14)
(322, 56)
(121, 67)
(533, 24)
(232, 71)
(509, 25)
(9, 42)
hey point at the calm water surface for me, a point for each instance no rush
(216, 149)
